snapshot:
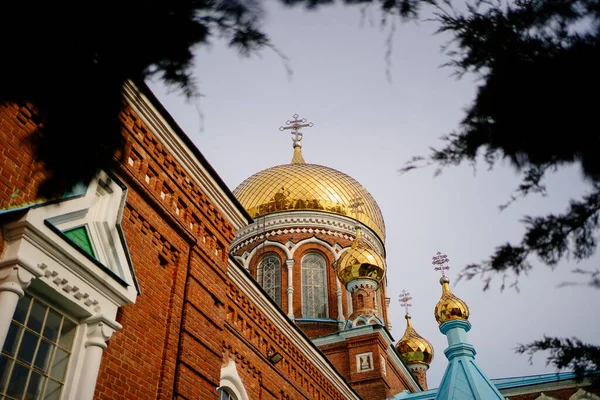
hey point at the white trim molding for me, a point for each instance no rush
(304, 222)
(230, 379)
(182, 153)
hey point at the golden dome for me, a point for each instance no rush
(449, 307)
(301, 186)
(413, 348)
(360, 262)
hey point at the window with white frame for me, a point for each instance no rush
(314, 286)
(225, 394)
(268, 275)
(36, 353)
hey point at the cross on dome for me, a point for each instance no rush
(441, 260)
(295, 125)
(404, 299)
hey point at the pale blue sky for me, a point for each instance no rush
(367, 127)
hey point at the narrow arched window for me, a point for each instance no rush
(226, 394)
(361, 301)
(268, 275)
(314, 287)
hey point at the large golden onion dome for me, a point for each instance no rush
(449, 307)
(301, 186)
(360, 262)
(413, 348)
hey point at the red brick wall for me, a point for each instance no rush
(189, 319)
(370, 385)
(20, 174)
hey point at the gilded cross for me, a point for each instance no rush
(295, 125)
(405, 299)
(440, 260)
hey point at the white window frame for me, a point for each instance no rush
(275, 291)
(40, 259)
(325, 292)
(76, 346)
(231, 382)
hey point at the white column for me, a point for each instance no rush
(290, 289)
(13, 281)
(99, 330)
(340, 307)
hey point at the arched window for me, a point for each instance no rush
(231, 386)
(268, 275)
(225, 394)
(361, 301)
(314, 287)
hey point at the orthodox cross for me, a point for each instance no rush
(295, 126)
(405, 297)
(440, 260)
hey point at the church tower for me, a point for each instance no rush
(305, 217)
(317, 248)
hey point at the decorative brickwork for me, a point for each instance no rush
(188, 318)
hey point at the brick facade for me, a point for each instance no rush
(189, 319)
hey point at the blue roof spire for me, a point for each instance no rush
(463, 379)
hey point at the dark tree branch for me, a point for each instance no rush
(570, 353)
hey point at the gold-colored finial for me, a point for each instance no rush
(357, 238)
(413, 348)
(295, 125)
(449, 307)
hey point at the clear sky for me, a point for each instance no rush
(367, 127)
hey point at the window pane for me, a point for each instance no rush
(59, 365)
(30, 354)
(314, 287)
(36, 383)
(269, 277)
(43, 356)
(52, 325)
(5, 365)
(53, 389)
(22, 308)
(12, 339)
(36, 317)
(67, 334)
(27, 348)
(18, 380)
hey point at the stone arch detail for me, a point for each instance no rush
(249, 256)
(230, 380)
(317, 241)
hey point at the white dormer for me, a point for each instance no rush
(68, 257)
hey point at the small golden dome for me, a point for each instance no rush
(359, 261)
(413, 348)
(301, 186)
(449, 307)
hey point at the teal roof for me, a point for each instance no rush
(463, 379)
(499, 383)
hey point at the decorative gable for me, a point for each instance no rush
(91, 224)
(78, 244)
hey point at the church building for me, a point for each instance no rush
(156, 281)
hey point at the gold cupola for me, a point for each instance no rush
(413, 348)
(449, 307)
(360, 262)
(302, 186)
